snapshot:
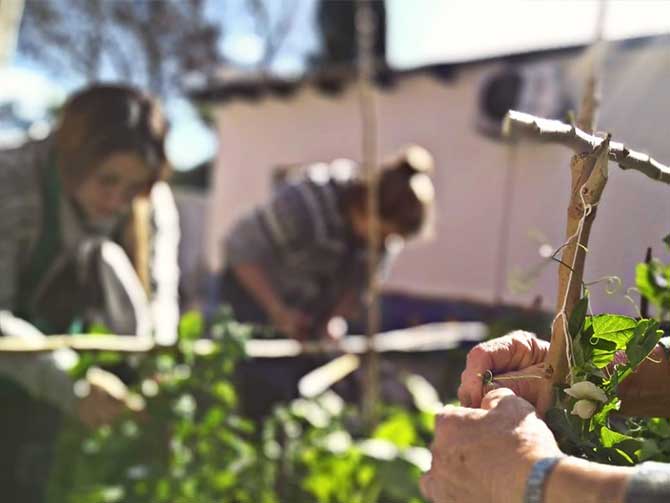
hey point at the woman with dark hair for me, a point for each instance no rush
(302, 259)
(89, 236)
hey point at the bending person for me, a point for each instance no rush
(89, 235)
(301, 259)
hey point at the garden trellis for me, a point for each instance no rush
(589, 171)
(589, 174)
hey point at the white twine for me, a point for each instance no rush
(569, 353)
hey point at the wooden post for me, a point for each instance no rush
(365, 33)
(589, 176)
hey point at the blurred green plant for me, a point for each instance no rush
(191, 444)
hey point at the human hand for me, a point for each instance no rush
(516, 351)
(485, 455)
(106, 399)
(291, 322)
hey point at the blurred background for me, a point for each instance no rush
(233, 73)
(255, 88)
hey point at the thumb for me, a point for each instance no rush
(493, 398)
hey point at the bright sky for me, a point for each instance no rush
(419, 32)
(424, 32)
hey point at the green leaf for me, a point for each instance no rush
(578, 352)
(563, 426)
(225, 392)
(648, 450)
(614, 328)
(610, 438)
(603, 353)
(191, 326)
(653, 282)
(99, 329)
(645, 337)
(398, 478)
(600, 418)
(578, 316)
(666, 240)
(659, 426)
(398, 429)
(614, 456)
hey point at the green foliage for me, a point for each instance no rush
(653, 282)
(191, 444)
(607, 349)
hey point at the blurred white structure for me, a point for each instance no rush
(491, 197)
(10, 19)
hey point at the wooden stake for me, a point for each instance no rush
(589, 176)
(365, 32)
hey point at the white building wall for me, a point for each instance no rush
(464, 257)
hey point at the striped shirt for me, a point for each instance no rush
(304, 242)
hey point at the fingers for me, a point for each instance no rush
(514, 351)
(449, 422)
(100, 408)
(493, 398)
(504, 401)
(425, 486)
(478, 361)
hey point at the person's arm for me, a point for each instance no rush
(504, 452)
(285, 319)
(43, 376)
(575, 479)
(164, 264)
(579, 480)
(262, 240)
(646, 392)
(349, 304)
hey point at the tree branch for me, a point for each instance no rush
(521, 125)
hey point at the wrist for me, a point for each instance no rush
(274, 308)
(536, 480)
(574, 479)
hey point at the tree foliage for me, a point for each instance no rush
(150, 43)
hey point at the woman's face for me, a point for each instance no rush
(110, 189)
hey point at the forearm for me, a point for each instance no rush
(575, 479)
(348, 305)
(254, 279)
(646, 392)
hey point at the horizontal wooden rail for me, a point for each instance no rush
(432, 337)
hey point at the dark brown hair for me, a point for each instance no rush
(402, 201)
(105, 119)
